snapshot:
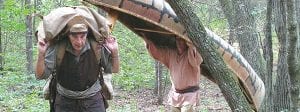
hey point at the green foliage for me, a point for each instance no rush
(20, 93)
(48, 5)
(137, 67)
(72, 2)
(14, 83)
(13, 29)
(215, 19)
(45, 7)
(219, 25)
(129, 107)
(13, 16)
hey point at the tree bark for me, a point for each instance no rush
(216, 65)
(1, 51)
(282, 99)
(268, 53)
(293, 63)
(242, 23)
(229, 14)
(38, 4)
(297, 5)
(298, 13)
(247, 36)
(158, 82)
(29, 27)
(37, 7)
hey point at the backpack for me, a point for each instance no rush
(97, 50)
(51, 83)
(52, 29)
(50, 86)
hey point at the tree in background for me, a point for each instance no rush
(228, 10)
(282, 99)
(29, 35)
(288, 36)
(220, 72)
(158, 90)
(293, 60)
(268, 56)
(1, 56)
(247, 36)
(242, 25)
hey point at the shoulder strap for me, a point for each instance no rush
(96, 48)
(105, 91)
(60, 52)
(61, 48)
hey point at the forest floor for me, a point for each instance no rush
(211, 99)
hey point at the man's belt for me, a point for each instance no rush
(79, 94)
(188, 90)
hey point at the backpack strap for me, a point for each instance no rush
(95, 46)
(61, 49)
(104, 90)
(60, 52)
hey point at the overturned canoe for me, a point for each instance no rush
(156, 19)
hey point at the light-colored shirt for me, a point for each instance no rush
(184, 72)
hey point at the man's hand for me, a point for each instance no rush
(112, 44)
(42, 46)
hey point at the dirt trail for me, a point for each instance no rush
(211, 99)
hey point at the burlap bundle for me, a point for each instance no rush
(59, 21)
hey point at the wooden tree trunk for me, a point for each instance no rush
(29, 28)
(297, 6)
(268, 53)
(158, 82)
(282, 99)
(220, 72)
(37, 7)
(1, 57)
(38, 4)
(293, 62)
(1, 51)
(229, 14)
(248, 37)
(242, 24)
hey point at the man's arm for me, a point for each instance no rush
(40, 65)
(115, 62)
(112, 44)
(195, 58)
